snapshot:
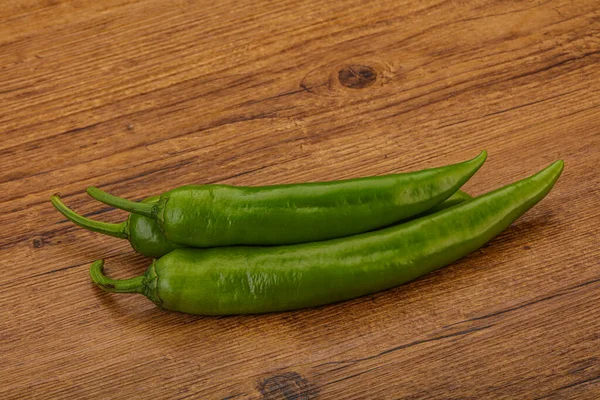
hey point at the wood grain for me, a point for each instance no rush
(137, 97)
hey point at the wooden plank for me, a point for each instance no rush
(141, 96)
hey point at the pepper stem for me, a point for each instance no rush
(133, 285)
(116, 230)
(144, 209)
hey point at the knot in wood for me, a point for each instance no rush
(289, 385)
(357, 76)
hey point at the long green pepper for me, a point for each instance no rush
(223, 215)
(245, 280)
(145, 235)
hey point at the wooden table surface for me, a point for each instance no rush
(139, 96)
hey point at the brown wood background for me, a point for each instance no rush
(139, 96)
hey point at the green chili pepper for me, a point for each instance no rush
(143, 233)
(455, 199)
(146, 237)
(243, 280)
(222, 215)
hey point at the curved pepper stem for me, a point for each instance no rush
(133, 285)
(116, 230)
(144, 209)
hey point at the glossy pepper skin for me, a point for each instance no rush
(245, 280)
(222, 215)
(145, 235)
(455, 199)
